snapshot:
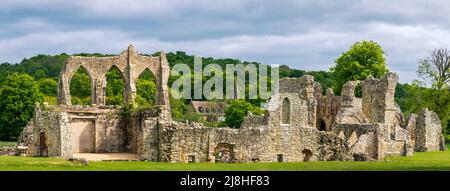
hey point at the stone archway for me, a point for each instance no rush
(322, 125)
(130, 63)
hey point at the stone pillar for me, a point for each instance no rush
(130, 84)
(378, 98)
(163, 89)
(63, 90)
(428, 132)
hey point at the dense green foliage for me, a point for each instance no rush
(115, 87)
(146, 89)
(414, 97)
(41, 66)
(18, 93)
(236, 112)
(80, 87)
(363, 59)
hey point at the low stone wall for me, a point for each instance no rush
(7, 151)
(181, 142)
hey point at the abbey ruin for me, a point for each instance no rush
(303, 124)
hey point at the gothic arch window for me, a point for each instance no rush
(80, 86)
(286, 111)
(115, 87)
(146, 91)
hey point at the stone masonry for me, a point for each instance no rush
(299, 125)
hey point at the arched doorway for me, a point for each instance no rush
(322, 125)
(307, 154)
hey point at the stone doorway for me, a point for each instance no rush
(43, 151)
(83, 135)
(224, 153)
(307, 154)
(322, 125)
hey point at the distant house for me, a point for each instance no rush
(210, 110)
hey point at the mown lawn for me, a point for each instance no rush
(420, 161)
(8, 144)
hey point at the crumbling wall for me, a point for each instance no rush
(378, 98)
(350, 111)
(49, 139)
(181, 142)
(52, 130)
(327, 109)
(129, 63)
(428, 132)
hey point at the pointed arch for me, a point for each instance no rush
(146, 89)
(81, 86)
(114, 88)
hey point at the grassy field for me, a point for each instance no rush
(8, 144)
(420, 161)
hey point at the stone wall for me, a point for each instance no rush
(269, 138)
(130, 64)
(54, 134)
(428, 132)
(378, 98)
(8, 151)
(327, 108)
(180, 142)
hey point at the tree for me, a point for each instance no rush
(146, 90)
(236, 112)
(363, 59)
(115, 87)
(48, 86)
(80, 87)
(436, 100)
(19, 93)
(436, 68)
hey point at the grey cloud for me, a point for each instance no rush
(303, 34)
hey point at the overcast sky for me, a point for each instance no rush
(307, 34)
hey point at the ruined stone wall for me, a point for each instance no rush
(49, 139)
(129, 63)
(303, 91)
(180, 141)
(378, 98)
(428, 132)
(350, 111)
(110, 133)
(327, 108)
(272, 137)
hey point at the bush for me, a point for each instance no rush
(236, 112)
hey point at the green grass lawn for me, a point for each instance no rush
(439, 160)
(8, 144)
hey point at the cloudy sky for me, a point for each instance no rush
(306, 34)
